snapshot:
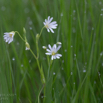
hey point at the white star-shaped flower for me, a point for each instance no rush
(50, 25)
(8, 37)
(53, 51)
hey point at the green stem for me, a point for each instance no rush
(41, 31)
(37, 48)
(37, 42)
(40, 93)
(49, 67)
(20, 35)
(40, 68)
(51, 62)
(41, 72)
(33, 54)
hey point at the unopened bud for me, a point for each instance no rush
(13, 32)
(59, 43)
(27, 46)
(44, 47)
(24, 30)
(37, 36)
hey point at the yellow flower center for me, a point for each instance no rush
(53, 53)
(10, 35)
(46, 26)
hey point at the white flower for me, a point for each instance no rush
(27, 46)
(50, 25)
(53, 51)
(8, 37)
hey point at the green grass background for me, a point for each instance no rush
(78, 73)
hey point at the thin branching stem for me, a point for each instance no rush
(20, 35)
(41, 31)
(33, 54)
(40, 93)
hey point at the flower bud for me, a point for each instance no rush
(44, 47)
(37, 36)
(59, 43)
(27, 46)
(24, 30)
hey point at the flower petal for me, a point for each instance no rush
(10, 40)
(48, 50)
(6, 33)
(58, 48)
(51, 30)
(48, 53)
(59, 55)
(52, 57)
(54, 22)
(48, 30)
(48, 18)
(54, 46)
(45, 20)
(49, 46)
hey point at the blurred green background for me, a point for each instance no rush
(77, 77)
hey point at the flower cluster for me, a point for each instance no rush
(49, 25)
(50, 50)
